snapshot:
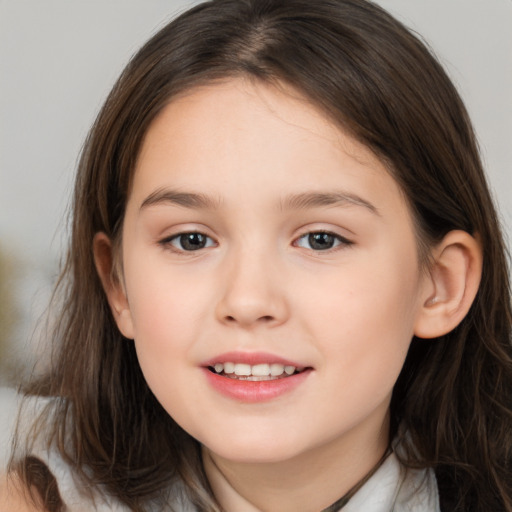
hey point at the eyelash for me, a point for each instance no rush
(181, 238)
(339, 241)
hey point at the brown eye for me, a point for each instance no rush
(190, 241)
(321, 241)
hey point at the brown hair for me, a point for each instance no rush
(381, 84)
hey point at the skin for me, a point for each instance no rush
(348, 312)
(15, 498)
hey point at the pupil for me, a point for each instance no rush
(192, 241)
(321, 241)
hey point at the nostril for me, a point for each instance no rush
(265, 318)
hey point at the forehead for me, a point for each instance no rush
(224, 135)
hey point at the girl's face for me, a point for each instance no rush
(260, 239)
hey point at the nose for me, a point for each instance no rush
(253, 293)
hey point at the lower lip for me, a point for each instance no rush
(255, 391)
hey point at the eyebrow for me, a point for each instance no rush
(300, 201)
(318, 199)
(185, 199)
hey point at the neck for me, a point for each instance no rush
(310, 481)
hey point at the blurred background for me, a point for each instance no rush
(58, 60)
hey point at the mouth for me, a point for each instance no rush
(254, 377)
(255, 373)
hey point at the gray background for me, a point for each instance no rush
(59, 58)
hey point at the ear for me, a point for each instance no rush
(452, 285)
(112, 284)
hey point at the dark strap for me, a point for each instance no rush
(339, 504)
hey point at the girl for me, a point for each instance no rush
(286, 287)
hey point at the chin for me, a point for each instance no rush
(256, 449)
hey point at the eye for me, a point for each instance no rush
(192, 241)
(321, 241)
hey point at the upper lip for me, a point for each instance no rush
(251, 358)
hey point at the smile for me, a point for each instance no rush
(256, 373)
(252, 377)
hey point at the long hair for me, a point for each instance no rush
(452, 404)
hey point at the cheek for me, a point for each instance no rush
(367, 294)
(167, 318)
(365, 320)
(161, 296)
(168, 309)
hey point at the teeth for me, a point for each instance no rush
(242, 369)
(260, 370)
(257, 370)
(229, 368)
(276, 369)
(289, 370)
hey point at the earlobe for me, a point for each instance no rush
(454, 279)
(112, 284)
